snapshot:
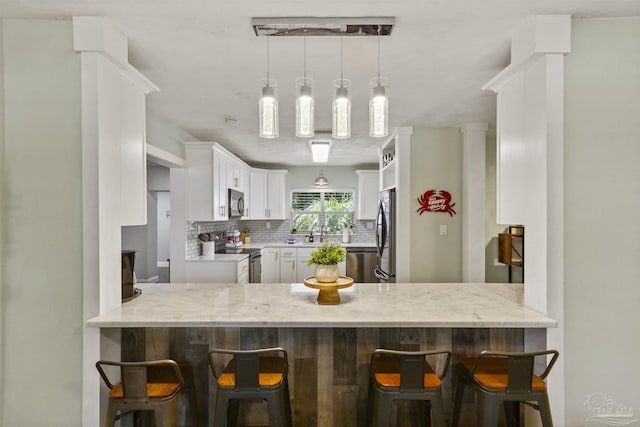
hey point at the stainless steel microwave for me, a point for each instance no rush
(236, 203)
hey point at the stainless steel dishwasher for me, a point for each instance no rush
(361, 262)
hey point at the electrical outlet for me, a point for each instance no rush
(268, 225)
(370, 225)
(443, 230)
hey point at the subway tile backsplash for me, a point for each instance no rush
(279, 231)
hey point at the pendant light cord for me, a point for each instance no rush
(305, 58)
(267, 61)
(341, 60)
(379, 28)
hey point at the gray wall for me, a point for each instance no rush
(602, 208)
(144, 238)
(42, 225)
(164, 134)
(3, 179)
(494, 272)
(436, 163)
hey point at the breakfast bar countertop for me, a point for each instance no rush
(430, 305)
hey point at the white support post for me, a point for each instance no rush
(473, 202)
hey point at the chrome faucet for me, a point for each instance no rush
(323, 233)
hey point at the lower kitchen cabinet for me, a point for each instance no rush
(293, 264)
(270, 265)
(287, 265)
(217, 271)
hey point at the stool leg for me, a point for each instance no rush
(382, 410)
(220, 413)
(287, 405)
(459, 397)
(275, 406)
(437, 408)
(110, 416)
(488, 409)
(545, 411)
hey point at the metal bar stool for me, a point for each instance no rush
(504, 377)
(252, 374)
(135, 392)
(405, 375)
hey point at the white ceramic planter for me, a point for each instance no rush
(326, 273)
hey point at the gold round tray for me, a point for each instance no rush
(328, 294)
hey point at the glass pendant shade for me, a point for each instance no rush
(378, 113)
(304, 107)
(268, 106)
(341, 110)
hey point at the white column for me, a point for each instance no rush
(473, 202)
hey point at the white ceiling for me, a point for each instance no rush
(206, 59)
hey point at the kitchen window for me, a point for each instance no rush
(314, 208)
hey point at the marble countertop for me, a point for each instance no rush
(219, 257)
(440, 305)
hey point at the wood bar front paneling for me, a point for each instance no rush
(328, 367)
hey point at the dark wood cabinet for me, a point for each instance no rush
(511, 249)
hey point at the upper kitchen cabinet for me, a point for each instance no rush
(267, 194)
(388, 165)
(211, 171)
(113, 108)
(368, 188)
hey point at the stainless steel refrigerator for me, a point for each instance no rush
(386, 237)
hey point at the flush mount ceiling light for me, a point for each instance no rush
(325, 26)
(321, 181)
(320, 150)
(268, 105)
(304, 102)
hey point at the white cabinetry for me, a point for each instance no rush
(114, 115)
(267, 194)
(287, 265)
(368, 188)
(293, 264)
(270, 262)
(303, 270)
(217, 271)
(220, 189)
(211, 171)
(388, 165)
(133, 155)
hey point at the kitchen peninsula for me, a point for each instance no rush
(329, 346)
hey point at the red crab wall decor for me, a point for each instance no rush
(436, 201)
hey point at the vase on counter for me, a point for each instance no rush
(326, 273)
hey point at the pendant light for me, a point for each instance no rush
(341, 107)
(268, 105)
(378, 105)
(304, 102)
(321, 181)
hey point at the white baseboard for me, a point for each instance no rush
(163, 264)
(152, 279)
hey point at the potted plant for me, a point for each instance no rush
(326, 259)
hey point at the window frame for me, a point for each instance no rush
(322, 213)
